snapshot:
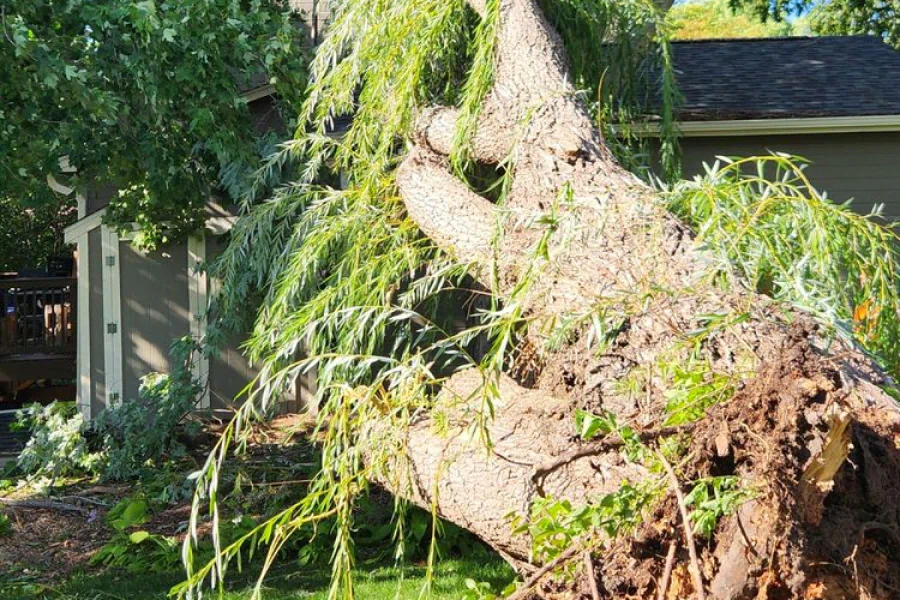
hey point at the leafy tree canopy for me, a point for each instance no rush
(703, 19)
(29, 235)
(837, 17)
(142, 94)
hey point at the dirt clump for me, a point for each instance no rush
(825, 512)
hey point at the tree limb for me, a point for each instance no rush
(566, 556)
(44, 505)
(455, 218)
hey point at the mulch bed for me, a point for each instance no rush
(48, 545)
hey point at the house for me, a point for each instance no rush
(832, 100)
(131, 306)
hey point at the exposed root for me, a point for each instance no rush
(667, 572)
(686, 524)
(809, 532)
(591, 576)
(602, 446)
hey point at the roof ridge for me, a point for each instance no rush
(789, 38)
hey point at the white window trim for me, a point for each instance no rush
(198, 299)
(792, 126)
(218, 225)
(83, 319)
(85, 223)
(112, 315)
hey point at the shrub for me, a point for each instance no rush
(129, 435)
(57, 447)
(144, 431)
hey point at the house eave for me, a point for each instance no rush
(82, 226)
(215, 224)
(787, 126)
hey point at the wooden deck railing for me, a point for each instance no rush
(37, 316)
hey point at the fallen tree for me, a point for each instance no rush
(730, 445)
(788, 432)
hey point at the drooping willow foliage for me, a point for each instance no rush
(343, 278)
(770, 227)
(339, 280)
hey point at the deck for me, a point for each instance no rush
(37, 328)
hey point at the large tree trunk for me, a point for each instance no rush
(811, 430)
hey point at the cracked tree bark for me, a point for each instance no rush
(612, 245)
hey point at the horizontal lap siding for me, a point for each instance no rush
(862, 166)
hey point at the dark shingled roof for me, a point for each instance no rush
(787, 77)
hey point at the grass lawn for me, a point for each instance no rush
(285, 583)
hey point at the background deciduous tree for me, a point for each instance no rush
(29, 235)
(145, 95)
(703, 19)
(836, 17)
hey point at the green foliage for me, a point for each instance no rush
(145, 95)
(483, 590)
(137, 551)
(589, 426)
(5, 525)
(57, 447)
(126, 441)
(765, 223)
(701, 19)
(127, 513)
(29, 235)
(713, 498)
(693, 389)
(880, 18)
(776, 9)
(143, 432)
(555, 525)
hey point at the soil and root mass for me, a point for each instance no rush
(786, 487)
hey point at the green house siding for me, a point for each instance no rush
(862, 166)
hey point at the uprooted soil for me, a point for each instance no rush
(819, 540)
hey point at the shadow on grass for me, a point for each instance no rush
(374, 581)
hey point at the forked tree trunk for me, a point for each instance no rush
(809, 430)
